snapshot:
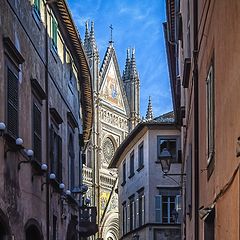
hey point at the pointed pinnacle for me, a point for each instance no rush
(149, 114)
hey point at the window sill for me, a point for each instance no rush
(131, 175)
(140, 168)
(123, 183)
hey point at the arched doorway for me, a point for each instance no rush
(33, 230)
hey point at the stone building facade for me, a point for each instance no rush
(46, 110)
(149, 201)
(116, 112)
(202, 40)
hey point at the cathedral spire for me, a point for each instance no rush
(149, 114)
(86, 39)
(126, 74)
(92, 38)
(133, 65)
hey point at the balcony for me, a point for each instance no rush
(87, 221)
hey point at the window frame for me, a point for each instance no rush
(131, 165)
(178, 146)
(124, 173)
(54, 33)
(56, 143)
(37, 104)
(141, 207)
(159, 211)
(210, 113)
(140, 156)
(10, 66)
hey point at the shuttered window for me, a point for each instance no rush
(12, 103)
(141, 204)
(56, 154)
(37, 6)
(37, 133)
(131, 164)
(54, 32)
(210, 113)
(71, 158)
(158, 209)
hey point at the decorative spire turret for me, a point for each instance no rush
(126, 74)
(133, 65)
(132, 87)
(86, 38)
(149, 114)
(92, 39)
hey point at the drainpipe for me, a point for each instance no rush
(47, 126)
(196, 118)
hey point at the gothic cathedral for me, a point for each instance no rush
(116, 113)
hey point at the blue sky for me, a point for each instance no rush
(136, 23)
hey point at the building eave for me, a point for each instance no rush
(73, 42)
(140, 129)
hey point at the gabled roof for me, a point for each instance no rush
(110, 55)
(135, 135)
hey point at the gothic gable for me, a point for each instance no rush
(111, 87)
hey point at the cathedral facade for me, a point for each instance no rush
(116, 113)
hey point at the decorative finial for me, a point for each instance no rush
(149, 114)
(92, 27)
(128, 53)
(133, 52)
(111, 34)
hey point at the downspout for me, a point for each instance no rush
(47, 126)
(196, 118)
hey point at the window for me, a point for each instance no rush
(12, 102)
(54, 34)
(89, 158)
(37, 7)
(172, 145)
(131, 164)
(37, 132)
(56, 153)
(71, 161)
(140, 157)
(210, 113)
(124, 218)
(54, 233)
(209, 225)
(141, 208)
(124, 173)
(167, 207)
(132, 213)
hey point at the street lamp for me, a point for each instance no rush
(165, 158)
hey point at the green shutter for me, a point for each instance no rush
(158, 208)
(54, 32)
(37, 133)
(12, 104)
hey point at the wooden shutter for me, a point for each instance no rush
(51, 153)
(178, 207)
(12, 103)
(59, 160)
(137, 211)
(37, 133)
(143, 209)
(158, 208)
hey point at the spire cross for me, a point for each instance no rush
(111, 32)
